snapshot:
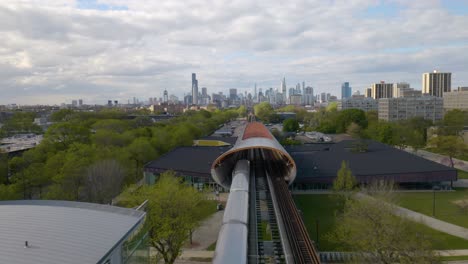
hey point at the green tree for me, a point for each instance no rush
(354, 130)
(369, 226)
(345, 182)
(9, 192)
(452, 146)
(264, 111)
(454, 121)
(290, 125)
(173, 211)
(348, 116)
(332, 107)
(3, 167)
(140, 151)
(242, 110)
(68, 133)
(104, 181)
(62, 115)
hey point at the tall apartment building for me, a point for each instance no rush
(194, 89)
(436, 83)
(401, 108)
(457, 99)
(345, 90)
(358, 102)
(382, 90)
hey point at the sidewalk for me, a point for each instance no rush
(434, 223)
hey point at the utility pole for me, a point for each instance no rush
(433, 203)
(317, 232)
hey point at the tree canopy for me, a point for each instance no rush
(290, 125)
(174, 209)
(369, 226)
(81, 145)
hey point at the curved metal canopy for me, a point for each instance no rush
(254, 136)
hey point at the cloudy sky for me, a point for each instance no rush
(54, 51)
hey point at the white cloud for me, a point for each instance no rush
(59, 52)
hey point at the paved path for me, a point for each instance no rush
(207, 233)
(434, 223)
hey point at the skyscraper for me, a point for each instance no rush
(436, 83)
(194, 89)
(165, 97)
(255, 92)
(283, 89)
(308, 95)
(345, 90)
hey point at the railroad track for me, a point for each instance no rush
(300, 244)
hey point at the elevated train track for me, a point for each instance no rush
(259, 164)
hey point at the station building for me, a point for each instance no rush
(317, 165)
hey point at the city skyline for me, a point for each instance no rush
(96, 50)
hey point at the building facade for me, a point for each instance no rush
(456, 100)
(382, 90)
(436, 83)
(362, 103)
(427, 107)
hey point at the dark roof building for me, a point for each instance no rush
(187, 161)
(319, 163)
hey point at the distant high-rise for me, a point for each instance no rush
(283, 89)
(382, 90)
(165, 96)
(308, 97)
(436, 83)
(368, 92)
(194, 89)
(345, 90)
(232, 94)
(80, 102)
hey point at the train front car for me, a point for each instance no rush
(232, 239)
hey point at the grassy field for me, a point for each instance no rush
(462, 174)
(322, 208)
(446, 208)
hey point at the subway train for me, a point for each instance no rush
(232, 239)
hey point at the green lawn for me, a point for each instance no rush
(445, 208)
(322, 208)
(319, 208)
(462, 174)
(453, 258)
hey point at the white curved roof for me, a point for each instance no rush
(61, 231)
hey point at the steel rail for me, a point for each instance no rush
(301, 246)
